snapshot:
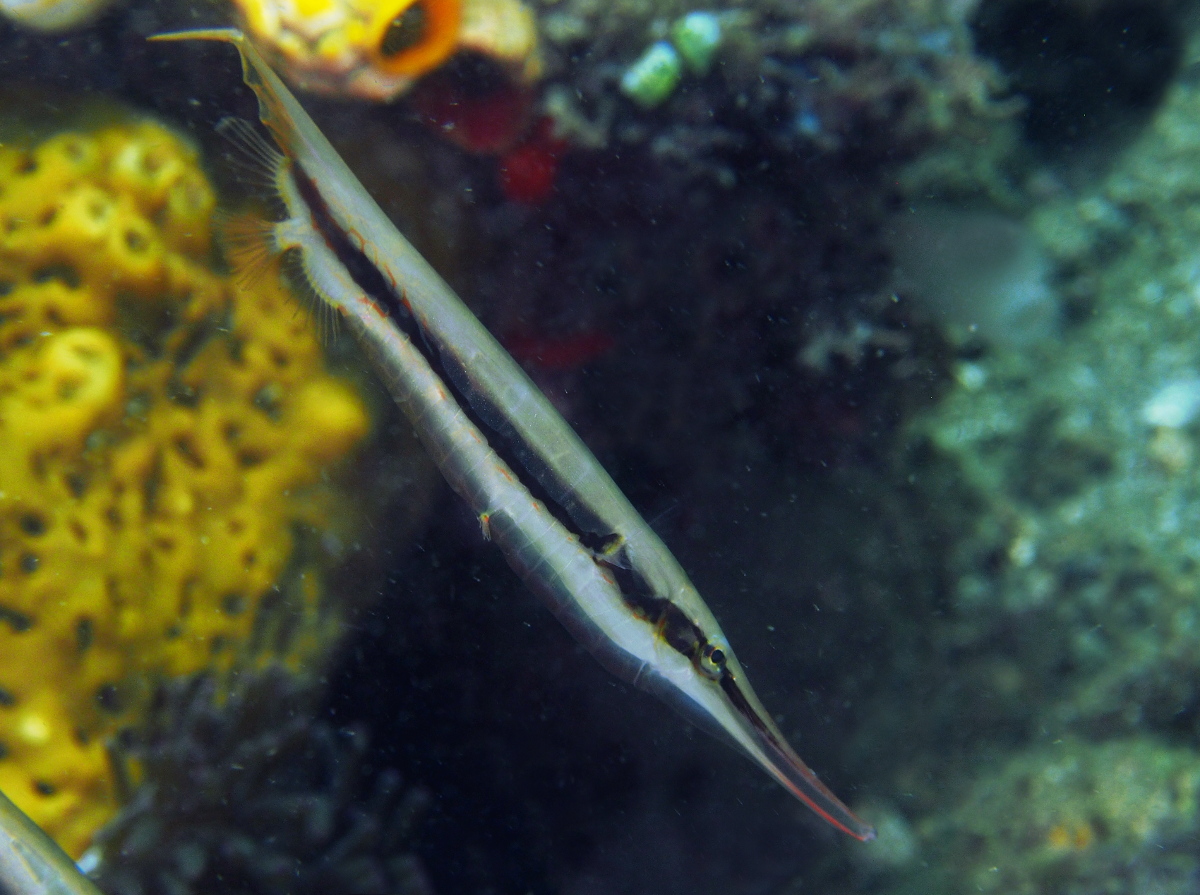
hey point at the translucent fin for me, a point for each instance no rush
(324, 315)
(256, 161)
(249, 244)
(254, 255)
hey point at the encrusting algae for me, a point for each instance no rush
(163, 438)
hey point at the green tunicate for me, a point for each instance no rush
(654, 76)
(697, 36)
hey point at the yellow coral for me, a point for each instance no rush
(1070, 837)
(376, 49)
(504, 31)
(163, 435)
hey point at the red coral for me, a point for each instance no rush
(527, 172)
(487, 121)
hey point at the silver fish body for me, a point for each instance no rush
(31, 863)
(602, 570)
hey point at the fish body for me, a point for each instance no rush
(31, 863)
(596, 563)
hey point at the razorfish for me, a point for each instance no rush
(31, 863)
(592, 558)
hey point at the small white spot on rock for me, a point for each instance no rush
(1175, 405)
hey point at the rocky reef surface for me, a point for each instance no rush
(885, 317)
(1061, 648)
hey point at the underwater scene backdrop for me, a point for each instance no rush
(884, 314)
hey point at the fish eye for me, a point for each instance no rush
(712, 661)
(405, 31)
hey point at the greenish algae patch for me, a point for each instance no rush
(1072, 818)
(1033, 702)
(1061, 655)
(1080, 451)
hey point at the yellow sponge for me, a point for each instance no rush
(163, 436)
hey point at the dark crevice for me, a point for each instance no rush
(1089, 72)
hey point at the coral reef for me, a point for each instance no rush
(704, 284)
(792, 142)
(1071, 818)
(165, 437)
(378, 50)
(1078, 451)
(725, 247)
(1049, 525)
(1034, 581)
(663, 292)
(815, 76)
(241, 791)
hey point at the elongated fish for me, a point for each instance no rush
(30, 862)
(596, 563)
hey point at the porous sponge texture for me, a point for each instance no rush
(165, 437)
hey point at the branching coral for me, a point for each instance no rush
(163, 436)
(242, 792)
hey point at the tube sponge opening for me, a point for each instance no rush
(73, 382)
